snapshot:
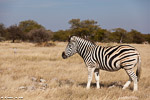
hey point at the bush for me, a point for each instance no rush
(61, 35)
(39, 35)
(134, 37)
(14, 33)
(2, 30)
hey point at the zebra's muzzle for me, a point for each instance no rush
(63, 55)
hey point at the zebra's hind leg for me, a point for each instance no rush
(127, 83)
(96, 72)
(90, 76)
(132, 77)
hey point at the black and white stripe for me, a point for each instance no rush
(110, 58)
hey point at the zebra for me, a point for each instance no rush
(112, 58)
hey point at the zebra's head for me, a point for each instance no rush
(71, 48)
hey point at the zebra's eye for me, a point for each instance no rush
(69, 46)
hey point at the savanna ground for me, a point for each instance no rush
(22, 65)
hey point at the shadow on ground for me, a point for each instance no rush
(105, 85)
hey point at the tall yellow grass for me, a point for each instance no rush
(65, 79)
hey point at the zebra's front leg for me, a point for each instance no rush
(96, 72)
(90, 76)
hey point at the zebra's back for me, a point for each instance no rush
(116, 57)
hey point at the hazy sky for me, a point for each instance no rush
(55, 14)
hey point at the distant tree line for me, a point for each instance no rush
(31, 31)
(26, 31)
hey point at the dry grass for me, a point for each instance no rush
(65, 79)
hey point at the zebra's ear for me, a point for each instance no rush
(71, 38)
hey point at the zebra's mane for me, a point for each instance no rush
(82, 38)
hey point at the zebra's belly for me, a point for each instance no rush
(108, 68)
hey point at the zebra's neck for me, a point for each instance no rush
(84, 47)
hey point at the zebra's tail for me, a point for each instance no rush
(138, 71)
